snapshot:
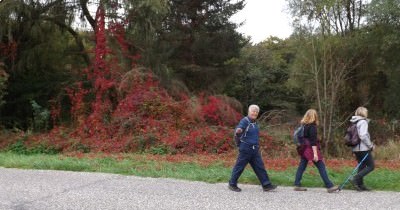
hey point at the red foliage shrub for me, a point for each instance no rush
(118, 111)
(217, 112)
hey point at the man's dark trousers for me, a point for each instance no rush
(249, 154)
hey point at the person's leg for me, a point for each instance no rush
(300, 170)
(362, 166)
(257, 164)
(322, 172)
(241, 162)
(368, 167)
(356, 181)
(365, 168)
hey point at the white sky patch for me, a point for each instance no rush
(264, 18)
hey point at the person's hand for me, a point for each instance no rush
(239, 130)
(373, 148)
(315, 159)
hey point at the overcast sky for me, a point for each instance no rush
(264, 18)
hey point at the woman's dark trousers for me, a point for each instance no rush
(321, 168)
(365, 168)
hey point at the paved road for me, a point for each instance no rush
(39, 189)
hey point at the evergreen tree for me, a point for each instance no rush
(41, 56)
(198, 38)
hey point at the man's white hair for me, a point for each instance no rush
(254, 107)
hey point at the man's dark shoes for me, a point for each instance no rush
(269, 187)
(234, 188)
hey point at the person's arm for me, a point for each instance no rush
(315, 152)
(239, 131)
(241, 126)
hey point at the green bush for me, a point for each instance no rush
(159, 150)
(81, 148)
(41, 117)
(19, 147)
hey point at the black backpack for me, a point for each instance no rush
(351, 137)
(298, 135)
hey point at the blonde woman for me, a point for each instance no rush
(311, 152)
(363, 148)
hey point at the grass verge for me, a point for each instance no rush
(213, 172)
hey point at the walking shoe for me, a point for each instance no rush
(269, 187)
(298, 188)
(364, 188)
(234, 188)
(333, 189)
(355, 184)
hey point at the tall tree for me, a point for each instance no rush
(331, 16)
(41, 56)
(323, 67)
(199, 38)
(383, 37)
(330, 54)
(260, 75)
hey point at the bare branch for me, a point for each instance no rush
(86, 13)
(76, 36)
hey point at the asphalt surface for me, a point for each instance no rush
(39, 189)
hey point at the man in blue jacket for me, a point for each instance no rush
(248, 132)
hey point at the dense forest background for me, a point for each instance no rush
(172, 76)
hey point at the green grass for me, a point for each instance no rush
(380, 179)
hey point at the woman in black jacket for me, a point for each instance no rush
(311, 152)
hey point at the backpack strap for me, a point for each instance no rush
(247, 129)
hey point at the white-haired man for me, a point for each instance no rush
(249, 152)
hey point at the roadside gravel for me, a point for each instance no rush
(42, 189)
